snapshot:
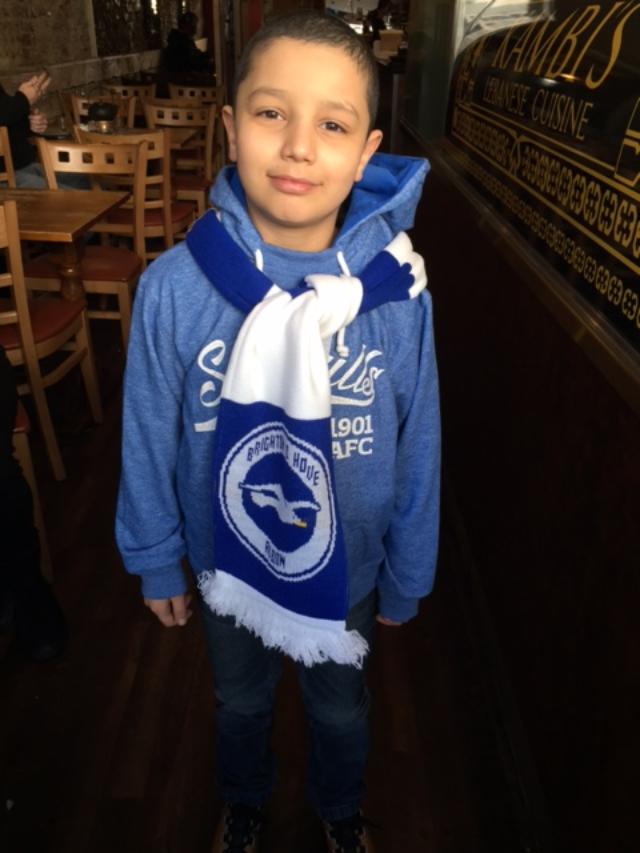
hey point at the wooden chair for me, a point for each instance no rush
(139, 91)
(32, 331)
(189, 186)
(126, 107)
(7, 173)
(105, 270)
(22, 451)
(162, 218)
(204, 94)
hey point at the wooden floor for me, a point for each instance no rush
(111, 747)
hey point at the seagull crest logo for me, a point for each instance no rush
(275, 496)
(271, 494)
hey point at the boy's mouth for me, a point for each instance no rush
(293, 186)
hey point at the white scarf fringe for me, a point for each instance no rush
(305, 639)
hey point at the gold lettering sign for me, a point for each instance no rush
(545, 119)
(546, 48)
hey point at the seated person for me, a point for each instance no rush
(375, 18)
(22, 119)
(181, 56)
(19, 115)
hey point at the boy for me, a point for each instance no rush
(227, 418)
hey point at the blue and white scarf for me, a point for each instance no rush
(279, 549)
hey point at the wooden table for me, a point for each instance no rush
(62, 216)
(178, 136)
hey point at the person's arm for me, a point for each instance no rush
(13, 108)
(149, 523)
(411, 541)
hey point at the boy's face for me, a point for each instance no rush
(299, 135)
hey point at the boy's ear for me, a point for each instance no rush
(370, 147)
(230, 127)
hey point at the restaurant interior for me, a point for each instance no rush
(504, 716)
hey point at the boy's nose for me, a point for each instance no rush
(298, 142)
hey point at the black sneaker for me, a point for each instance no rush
(348, 835)
(238, 829)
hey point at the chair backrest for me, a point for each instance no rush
(109, 165)
(157, 171)
(167, 113)
(138, 90)
(204, 94)
(126, 107)
(7, 174)
(14, 309)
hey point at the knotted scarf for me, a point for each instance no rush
(279, 554)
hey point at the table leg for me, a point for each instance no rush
(72, 287)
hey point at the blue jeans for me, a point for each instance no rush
(336, 699)
(32, 177)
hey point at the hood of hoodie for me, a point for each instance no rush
(380, 205)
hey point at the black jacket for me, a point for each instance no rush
(14, 114)
(181, 54)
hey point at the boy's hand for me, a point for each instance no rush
(171, 611)
(384, 621)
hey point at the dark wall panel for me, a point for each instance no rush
(545, 461)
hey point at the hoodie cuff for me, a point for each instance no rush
(165, 582)
(397, 607)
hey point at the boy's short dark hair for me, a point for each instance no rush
(315, 28)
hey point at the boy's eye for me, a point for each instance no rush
(271, 114)
(334, 127)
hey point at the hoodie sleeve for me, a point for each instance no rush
(411, 540)
(149, 522)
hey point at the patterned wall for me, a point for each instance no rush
(127, 26)
(43, 32)
(51, 32)
(122, 26)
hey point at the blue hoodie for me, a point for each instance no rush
(385, 410)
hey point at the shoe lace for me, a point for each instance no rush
(348, 833)
(242, 823)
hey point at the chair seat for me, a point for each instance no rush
(152, 218)
(99, 263)
(49, 317)
(186, 181)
